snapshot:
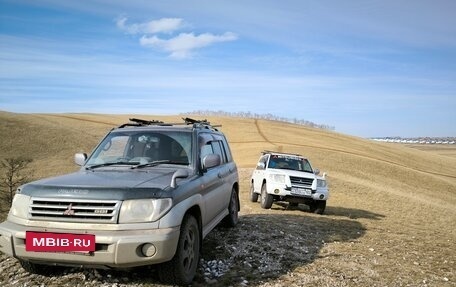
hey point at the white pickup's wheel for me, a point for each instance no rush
(266, 198)
(253, 195)
(318, 206)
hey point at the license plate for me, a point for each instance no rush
(59, 242)
(301, 191)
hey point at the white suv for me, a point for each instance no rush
(288, 177)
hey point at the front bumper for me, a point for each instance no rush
(282, 190)
(114, 249)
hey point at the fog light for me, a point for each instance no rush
(148, 250)
(276, 191)
(322, 196)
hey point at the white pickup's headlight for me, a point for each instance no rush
(321, 183)
(275, 177)
(20, 206)
(144, 210)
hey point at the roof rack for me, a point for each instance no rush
(139, 123)
(200, 123)
(278, 152)
(134, 122)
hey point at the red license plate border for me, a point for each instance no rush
(44, 241)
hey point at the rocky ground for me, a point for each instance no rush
(260, 250)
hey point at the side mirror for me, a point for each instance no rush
(180, 173)
(211, 160)
(80, 158)
(316, 171)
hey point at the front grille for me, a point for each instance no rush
(74, 210)
(301, 181)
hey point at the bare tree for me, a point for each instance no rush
(12, 175)
(268, 116)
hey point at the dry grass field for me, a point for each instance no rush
(390, 221)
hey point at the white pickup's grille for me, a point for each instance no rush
(74, 210)
(301, 181)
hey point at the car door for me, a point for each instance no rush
(258, 173)
(215, 193)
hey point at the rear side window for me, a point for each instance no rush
(227, 150)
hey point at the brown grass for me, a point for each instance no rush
(402, 198)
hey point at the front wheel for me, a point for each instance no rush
(318, 206)
(253, 194)
(182, 268)
(39, 269)
(266, 198)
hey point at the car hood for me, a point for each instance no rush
(103, 184)
(295, 173)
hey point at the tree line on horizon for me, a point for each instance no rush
(267, 116)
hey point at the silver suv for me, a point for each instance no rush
(148, 194)
(288, 177)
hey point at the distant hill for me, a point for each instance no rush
(52, 139)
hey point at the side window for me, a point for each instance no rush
(226, 148)
(217, 147)
(206, 149)
(213, 147)
(262, 160)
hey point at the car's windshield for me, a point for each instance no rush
(143, 147)
(289, 162)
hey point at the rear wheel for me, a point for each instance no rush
(318, 206)
(266, 198)
(253, 194)
(232, 218)
(182, 268)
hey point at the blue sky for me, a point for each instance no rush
(369, 68)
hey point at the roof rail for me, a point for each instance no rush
(278, 152)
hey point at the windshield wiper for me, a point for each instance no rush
(108, 164)
(157, 162)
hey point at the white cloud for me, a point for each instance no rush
(181, 46)
(184, 44)
(163, 25)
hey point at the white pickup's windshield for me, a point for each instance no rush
(289, 162)
(142, 148)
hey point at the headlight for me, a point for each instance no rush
(280, 178)
(20, 206)
(143, 210)
(321, 183)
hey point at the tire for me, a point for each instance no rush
(40, 269)
(318, 206)
(266, 199)
(182, 268)
(233, 217)
(253, 195)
